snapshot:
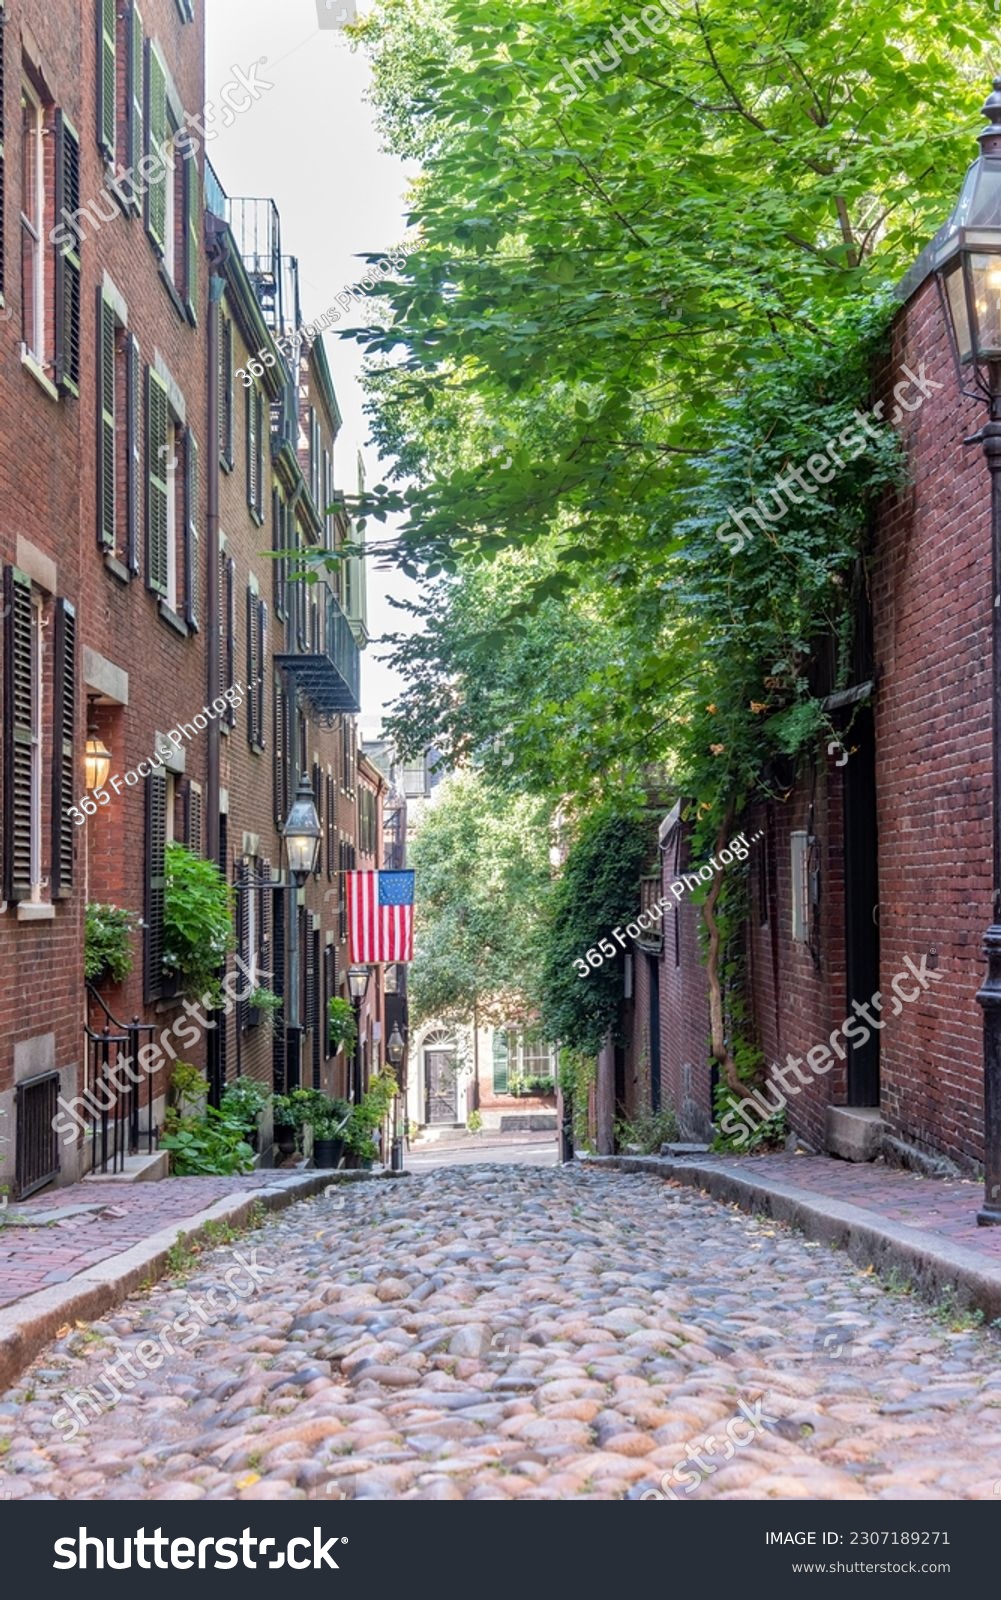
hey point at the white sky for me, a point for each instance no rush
(310, 144)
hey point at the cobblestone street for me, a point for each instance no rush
(505, 1332)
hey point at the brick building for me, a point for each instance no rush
(144, 485)
(879, 854)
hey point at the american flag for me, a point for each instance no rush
(380, 916)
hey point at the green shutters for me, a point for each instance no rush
(133, 450)
(107, 24)
(278, 520)
(193, 234)
(192, 542)
(157, 530)
(64, 697)
(67, 258)
(136, 98)
(106, 452)
(156, 872)
(18, 735)
(156, 137)
(500, 1061)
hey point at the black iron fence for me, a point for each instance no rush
(121, 1115)
(36, 1160)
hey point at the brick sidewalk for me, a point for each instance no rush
(945, 1206)
(33, 1258)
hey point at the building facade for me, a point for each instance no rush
(167, 450)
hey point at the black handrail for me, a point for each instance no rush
(115, 1127)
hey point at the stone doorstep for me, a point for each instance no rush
(931, 1262)
(28, 1325)
(136, 1169)
(855, 1133)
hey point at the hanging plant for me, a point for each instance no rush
(107, 943)
(342, 1028)
(197, 922)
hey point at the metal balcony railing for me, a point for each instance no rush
(329, 674)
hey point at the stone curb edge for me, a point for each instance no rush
(28, 1325)
(925, 1259)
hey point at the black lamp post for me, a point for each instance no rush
(394, 1051)
(967, 260)
(302, 834)
(357, 984)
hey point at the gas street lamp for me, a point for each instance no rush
(394, 1050)
(357, 985)
(967, 260)
(302, 833)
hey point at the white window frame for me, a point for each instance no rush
(36, 229)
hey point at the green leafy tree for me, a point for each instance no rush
(482, 881)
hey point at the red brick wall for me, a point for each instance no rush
(929, 575)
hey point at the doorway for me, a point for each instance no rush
(440, 1092)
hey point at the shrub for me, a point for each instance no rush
(202, 1141)
(244, 1101)
(649, 1130)
(474, 1122)
(107, 942)
(197, 922)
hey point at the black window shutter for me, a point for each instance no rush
(107, 28)
(156, 138)
(229, 591)
(316, 993)
(106, 452)
(278, 987)
(192, 541)
(331, 819)
(278, 543)
(278, 754)
(157, 531)
(329, 990)
(264, 923)
(251, 421)
(64, 683)
(156, 872)
(17, 735)
(193, 816)
(133, 449)
(243, 894)
(262, 657)
(261, 441)
(253, 667)
(67, 259)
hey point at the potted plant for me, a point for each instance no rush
(107, 946)
(328, 1140)
(263, 1006)
(342, 1029)
(285, 1125)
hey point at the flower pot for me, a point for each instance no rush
(285, 1140)
(327, 1152)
